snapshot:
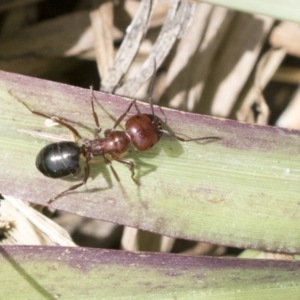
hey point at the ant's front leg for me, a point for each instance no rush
(123, 115)
(108, 131)
(120, 119)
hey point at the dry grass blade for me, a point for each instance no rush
(130, 46)
(265, 70)
(176, 20)
(30, 227)
(102, 24)
(195, 54)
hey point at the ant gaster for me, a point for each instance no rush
(143, 131)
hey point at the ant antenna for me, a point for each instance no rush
(150, 90)
(208, 138)
(97, 130)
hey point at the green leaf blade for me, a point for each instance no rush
(279, 9)
(84, 273)
(241, 190)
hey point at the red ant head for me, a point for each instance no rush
(144, 131)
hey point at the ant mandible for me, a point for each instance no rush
(61, 159)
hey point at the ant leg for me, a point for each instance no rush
(136, 107)
(101, 160)
(74, 187)
(97, 130)
(108, 162)
(190, 140)
(123, 115)
(126, 162)
(63, 123)
(108, 131)
(54, 119)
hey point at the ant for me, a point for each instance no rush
(61, 159)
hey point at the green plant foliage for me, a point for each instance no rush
(279, 9)
(241, 190)
(82, 273)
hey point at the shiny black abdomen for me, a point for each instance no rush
(59, 159)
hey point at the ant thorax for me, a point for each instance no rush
(114, 142)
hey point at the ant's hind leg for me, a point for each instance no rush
(54, 119)
(74, 187)
(126, 162)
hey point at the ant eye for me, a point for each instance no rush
(107, 132)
